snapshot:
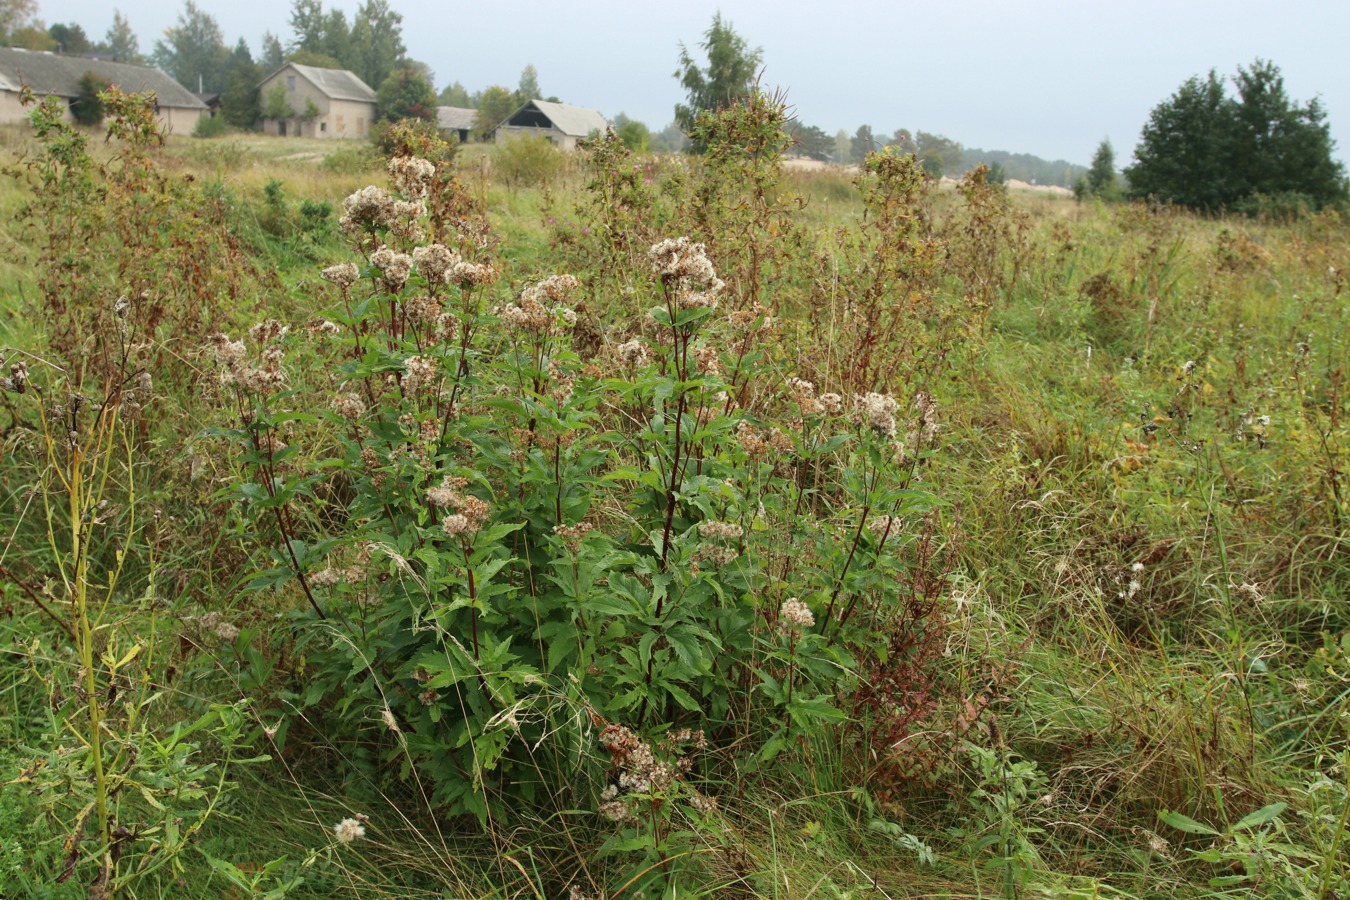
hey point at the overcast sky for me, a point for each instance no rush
(1049, 77)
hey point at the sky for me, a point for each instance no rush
(1047, 77)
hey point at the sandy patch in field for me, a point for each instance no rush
(801, 164)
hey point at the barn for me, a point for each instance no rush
(561, 123)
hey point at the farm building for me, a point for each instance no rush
(49, 74)
(562, 124)
(325, 103)
(456, 122)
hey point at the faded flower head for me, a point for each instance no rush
(343, 274)
(633, 353)
(435, 262)
(350, 829)
(877, 411)
(396, 267)
(796, 614)
(410, 175)
(370, 207)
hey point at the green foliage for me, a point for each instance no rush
(87, 107)
(1205, 150)
(494, 104)
(70, 39)
(939, 155)
(730, 71)
(210, 127)
(120, 41)
(634, 134)
(454, 94)
(193, 51)
(1100, 180)
(405, 94)
(527, 161)
(276, 103)
(528, 89)
(241, 101)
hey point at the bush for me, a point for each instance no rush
(211, 127)
(527, 161)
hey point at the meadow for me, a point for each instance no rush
(483, 522)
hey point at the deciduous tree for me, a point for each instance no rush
(405, 94)
(193, 51)
(730, 71)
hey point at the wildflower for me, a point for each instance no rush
(396, 267)
(226, 631)
(720, 531)
(469, 275)
(804, 393)
(326, 577)
(18, 378)
(572, 535)
(633, 353)
(350, 829)
(344, 275)
(370, 207)
(434, 262)
(442, 495)
(885, 527)
(410, 174)
(418, 370)
(429, 697)
(877, 411)
(611, 807)
(350, 406)
(796, 613)
(832, 404)
(456, 524)
(709, 361)
(1137, 567)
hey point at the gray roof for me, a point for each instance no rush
(51, 73)
(455, 118)
(575, 121)
(336, 84)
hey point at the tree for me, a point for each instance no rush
(494, 104)
(87, 108)
(314, 58)
(634, 135)
(405, 94)
(121, 42)
(810, 141)
(273, 57)
(455, 95)
(862, 144)
(70, 39)
(377, 42)
(939, 155)
(528, 88)
(193, 51)
(275, 104)
(1205, 150)
(670, 139)
(241, 99)
(16, 15)
(1100, 180)
(731, 70)
(843, 147)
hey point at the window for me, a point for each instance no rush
(290, 82)
(323, 126)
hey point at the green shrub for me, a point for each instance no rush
(210, 127)
(527, 161)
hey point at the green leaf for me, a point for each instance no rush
(1185, 823)
(1260, 817)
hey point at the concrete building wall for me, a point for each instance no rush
(336, 119)
(176, 120)
(180, 121)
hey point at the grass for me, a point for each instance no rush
(1146, 613)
